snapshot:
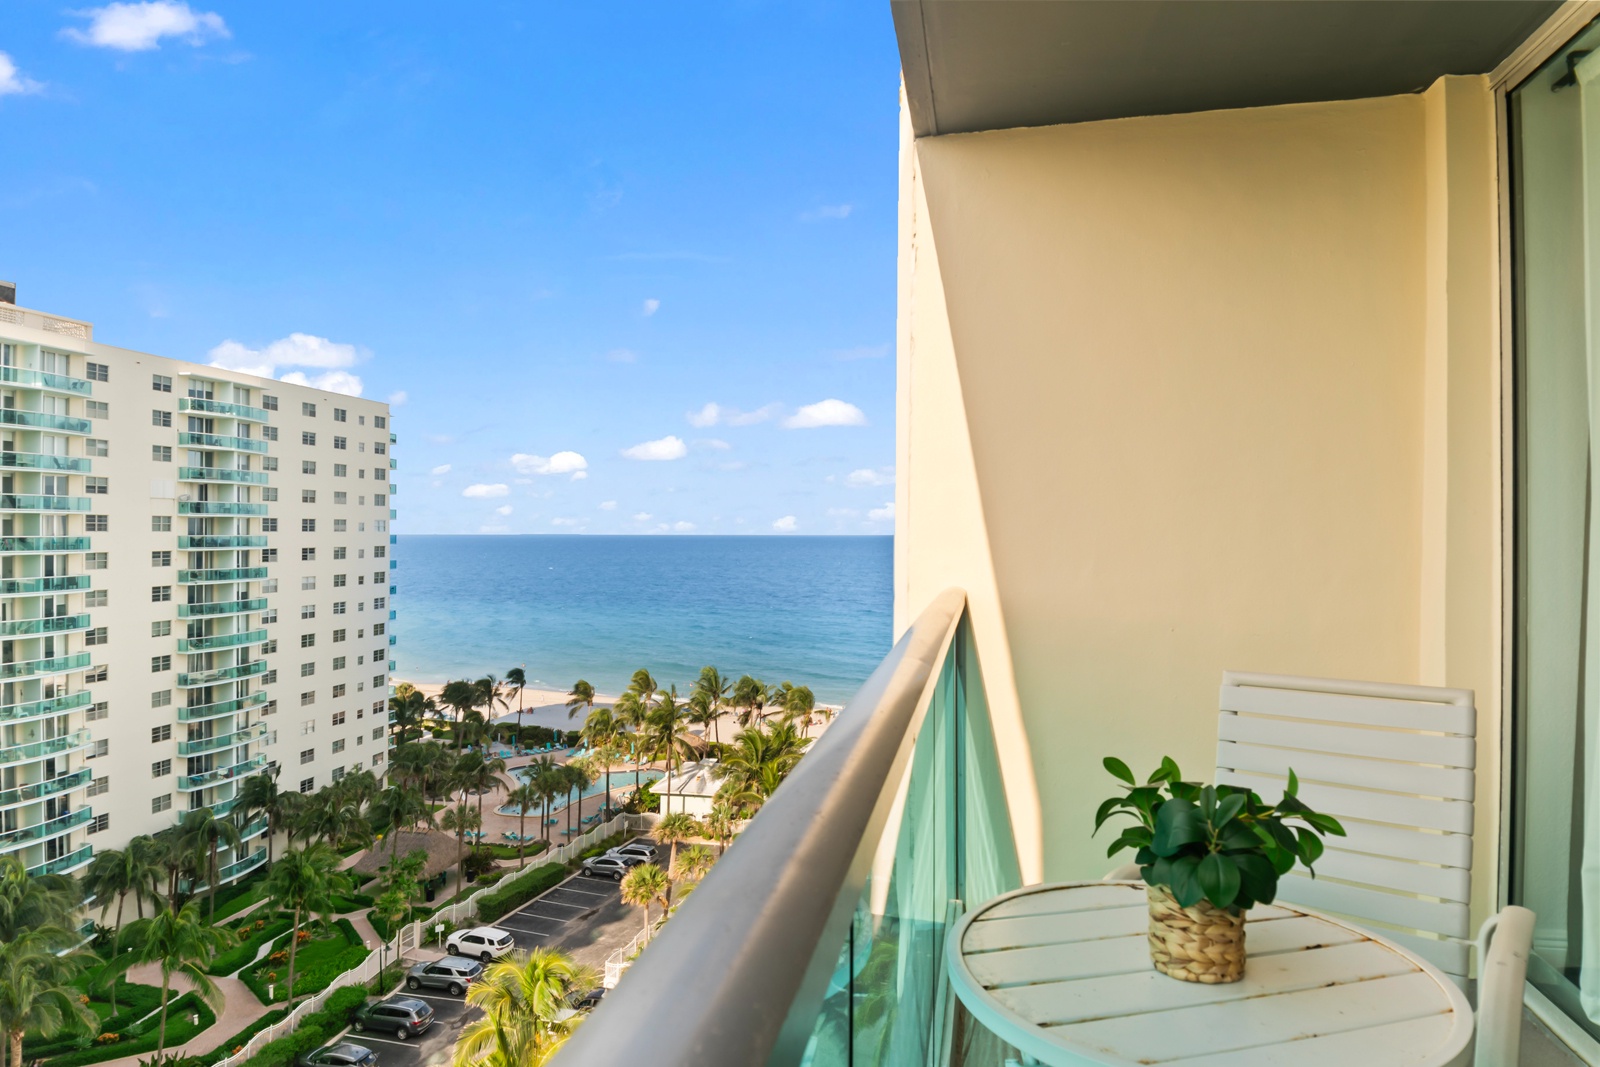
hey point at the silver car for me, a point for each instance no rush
(453, 973)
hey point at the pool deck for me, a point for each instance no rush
(495, 824)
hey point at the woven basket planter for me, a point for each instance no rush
(1202, 943)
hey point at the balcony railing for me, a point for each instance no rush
(44, 544)
(70, 862)
(34, 791)
(40, 462)
(38, 420)
(216, 641)
(222, 607)
(221, 574)
(40, 379)
(53, 625)
(222, 674)
(819, 937)
(255, 828)
(221, 441)
(61, 583)
(54, 665)
(223, 541)
(221, 474)
(218, 407)
(231, 871)
(219, 507)
(250, 733)
(220, 707)
(36, 750)
(35, 502)
(25, 835)
(190, 782)
(36, 708)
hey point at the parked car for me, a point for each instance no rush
(401, 1016)
(339, 1054)
(454, 973)
(482, 942)
(585, 1001)
(642, 849)
(610, 866)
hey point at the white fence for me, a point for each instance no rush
(412, 935)
(619, 960)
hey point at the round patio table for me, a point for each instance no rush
(1062, 973)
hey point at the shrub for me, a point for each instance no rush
(140, 1038)
(235, 1043)
(316, 964)
(508, 897)
(344, 905)
(601, 847)
(252, 936)
(134, 1002)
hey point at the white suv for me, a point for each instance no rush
(481, 942)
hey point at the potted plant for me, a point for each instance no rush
(1207, 855)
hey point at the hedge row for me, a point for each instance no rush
(510, 897)
(236, 1042)
(315, 1030)
(317, 963)
(245, 951)
(344, 904)
(603, 846)
(134, 1002)
(142, 1038)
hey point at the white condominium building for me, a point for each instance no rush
(194, 588)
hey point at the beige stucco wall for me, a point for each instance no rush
(1186, 393)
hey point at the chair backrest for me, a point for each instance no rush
(1394, 763)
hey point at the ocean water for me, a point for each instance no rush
(815, 611)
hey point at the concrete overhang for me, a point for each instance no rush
(995, 64)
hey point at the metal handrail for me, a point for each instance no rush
(746, 942)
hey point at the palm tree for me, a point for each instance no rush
(524, 797)
(669, 831)
(748, 695)
(474, 729)
(712, 691)
(580, 698)
(205, 833)
(359, 787)
(645, 885)
(578, 778)
(305, 881)
(517, 680)
(693, 864)
(479, 773)
(757, 763)
(333, 817)
(401, 806)
(719, 824)
(701, 712)
(116, 872)
(525, 1017)
(489, 694)
(36, 991)
(181, 942)
(460, 697)
(798, 703)
(665, 736)
(541, 775)
(600, 736)
(628, 714)
(259, 795)
(408, 706)
(461, 820)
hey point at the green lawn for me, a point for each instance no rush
(317, 962)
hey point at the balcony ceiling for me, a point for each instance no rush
(994, 64)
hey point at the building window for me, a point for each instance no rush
(269, 525)
(308, 611)
(269, 555)
(269, 402)
(341, 498)
(161, 733)
(270, 678)
(377, 631)
(339, 552)
(161, 558)
(270, 708)
(161, 418)
(269, 647)
(338, 746)
(103, 820)
(380, 499)
(307, 755)
(96, 598)
(96, 485)
(97, 372)
(269, 585)
(269, 433)
(96, 674)
(94, 446)
(97, 712)
(161, 804)
(161, 523)
(338, 718)
(308, 698)
(161, 768)
(163, 628)
(101, 748)
(96, 636)
(269, 494)
(161, 453)
(338, 635)
(269, 616)
(308, 410)
(100, 786)
(308, 466)
(162, 699)
(308, 496)
(308, 669)
(380, 552)
(377, 759)
(307, 437)
(339, 415)
(308, 525)
(160, 663)
(94, 561)
(338, 772)
(97, 409)
(338, 661)
(308, 640)
(307, 784)
(340, 443)
(380, 421)
(96, 523)
(338, 607)
(377, 679)
(161, 383)
(338, 691)
(340, 470)
(378, 602)
(308, 555)
(269, 463)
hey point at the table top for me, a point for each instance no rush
(1063, 973)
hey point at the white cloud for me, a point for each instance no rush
(883, 514)
(706, 416)
(827, 211)
(786, 524)
(12, 80)
(443, 468)
(296, 350)
(866, 478)
(608, 505)
(334, 381)
(713, 443)
(651, 306)
(713, 414)
(683, 527)
(482, 490)
(826, 413)
(668, 447)
(504, 509)
(139, 27)
(564, 522)
(561, 463)
(642, 516)
(398, 398)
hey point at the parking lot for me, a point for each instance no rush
(429, 1050)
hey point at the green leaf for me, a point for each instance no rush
(1184, 791)
(1118, 769)
(1185, 887)
(1146, 800)
(1310, 847)
(1219, 879)
(1106, 811)
(1294, 784)
(1208, 804)
(1169, 770)
(1177, 824)
(1228, 809)
(1326, 823)
(1258, 880)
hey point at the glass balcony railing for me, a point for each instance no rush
(393, 589)
(394, 539)
(219, 507)
(37, 708)
(255, 828)
(391, 614)
(222, 607)
(26, 835)
(60, 583)
(40, 462)
(40, 749)
(34, 502)
(393, 514)
(222, 674)
(222, 442)
(221, 707)
(221, 474)
(44, 544)
(393, 440)
(232, 871)
(216, 641)
(54, 665)
(70, 862)
(223, 541)
(53, 625)
(221, 574)
(393, 463)
(222, 807)
(39, 379)
(393, 489)
(187, 783)
(38, 420)
(28, 793)
(250, 733)
(899, 815)
(391, 639)
(218, 407)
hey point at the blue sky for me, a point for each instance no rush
(631, 266)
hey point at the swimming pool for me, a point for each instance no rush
(620, 780)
